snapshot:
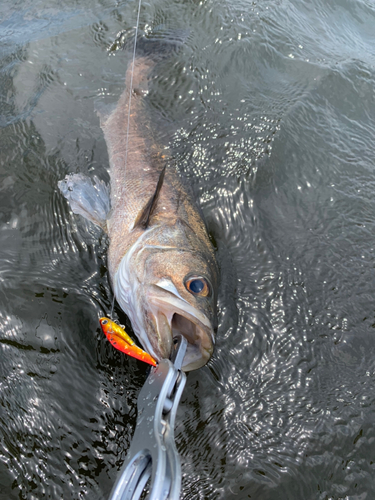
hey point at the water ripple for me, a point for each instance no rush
(268, 112)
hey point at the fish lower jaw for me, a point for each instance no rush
(171, 321)
(195, 357)
(199, 348)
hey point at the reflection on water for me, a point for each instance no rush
(269, 111)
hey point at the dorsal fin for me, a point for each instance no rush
(144, 216)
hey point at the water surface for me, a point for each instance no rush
(269, 112)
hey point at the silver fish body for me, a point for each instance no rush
(161, 262)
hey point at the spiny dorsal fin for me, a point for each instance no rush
(144, 216)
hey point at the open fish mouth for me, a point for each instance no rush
(172, 315)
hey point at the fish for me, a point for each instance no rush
(161, 261)
(121, 341)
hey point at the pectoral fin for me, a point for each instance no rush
(87, 197)
(143, 219)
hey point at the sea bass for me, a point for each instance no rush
(161, 261)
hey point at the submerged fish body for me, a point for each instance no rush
(161, 262)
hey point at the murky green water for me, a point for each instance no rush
(270, 112)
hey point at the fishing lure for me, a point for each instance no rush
(121, 341)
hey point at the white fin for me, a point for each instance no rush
(87, 197)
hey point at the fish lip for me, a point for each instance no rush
(166, 302)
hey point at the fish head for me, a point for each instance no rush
(173, 291)
(182, 300)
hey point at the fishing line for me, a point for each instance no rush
(112, 307)
(128, 125)
(131, 86)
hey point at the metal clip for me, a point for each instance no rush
(153, 451)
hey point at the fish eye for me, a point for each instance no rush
(104, 321)
(198, 286)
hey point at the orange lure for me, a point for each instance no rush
(121, 341)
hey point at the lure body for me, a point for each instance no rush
(121, 341)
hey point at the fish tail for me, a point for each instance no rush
(137, 75)
(161, 42)
(152, 48)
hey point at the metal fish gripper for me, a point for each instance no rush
(152, 453)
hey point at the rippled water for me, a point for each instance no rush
(270, 111)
